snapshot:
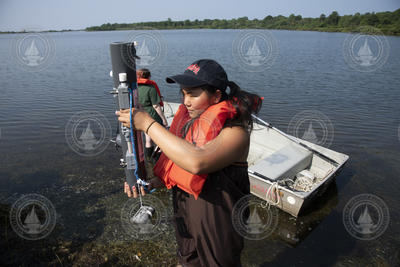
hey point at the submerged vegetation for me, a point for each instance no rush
(87, 196)
(387, 22)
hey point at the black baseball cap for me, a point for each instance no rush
(202, 72)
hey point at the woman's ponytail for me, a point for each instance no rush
(245, 103)
(234, 88)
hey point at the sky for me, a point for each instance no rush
(17, 15)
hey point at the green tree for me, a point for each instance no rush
(291, 19)
(333, 18)
(370, 19)
(355, 20)
(268, 18)
(387, 22)
(345, 21)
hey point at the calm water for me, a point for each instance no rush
(309, 73)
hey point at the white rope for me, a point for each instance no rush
(303, 184)
(272, 195)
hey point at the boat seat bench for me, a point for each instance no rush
(282, 164)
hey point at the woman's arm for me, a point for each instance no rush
(229, 146)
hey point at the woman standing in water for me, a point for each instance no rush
(204, 161)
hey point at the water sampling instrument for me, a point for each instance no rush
(125, 91)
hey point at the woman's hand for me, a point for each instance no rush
(140, 118)
(133, 192)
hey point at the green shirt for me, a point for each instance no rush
(148, 97)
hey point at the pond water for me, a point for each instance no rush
(353, 111)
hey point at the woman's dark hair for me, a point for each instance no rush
(244, 102)
(144, 73)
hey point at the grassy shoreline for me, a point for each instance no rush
(328, 30)
(386, 23)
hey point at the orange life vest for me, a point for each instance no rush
(204, 129)
(151, 82)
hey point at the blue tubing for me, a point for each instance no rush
(138, 180)
(132, 138)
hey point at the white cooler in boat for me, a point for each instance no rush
(282, 164)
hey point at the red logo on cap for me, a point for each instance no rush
(194, 67)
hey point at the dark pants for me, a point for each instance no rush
(203, 227)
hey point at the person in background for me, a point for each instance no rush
(150, 100)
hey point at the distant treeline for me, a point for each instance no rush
(24, 31)
(387, 22)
